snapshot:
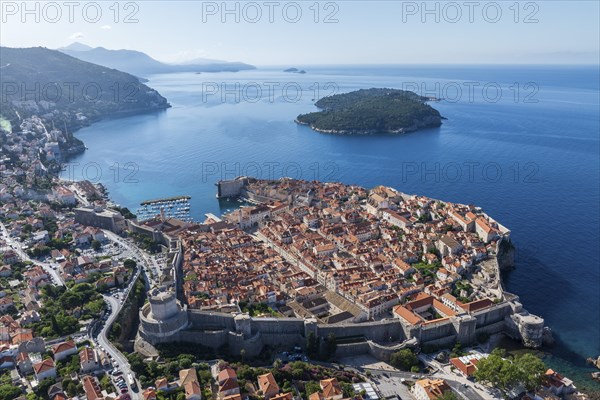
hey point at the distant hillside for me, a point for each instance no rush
(64, 90)
(141, 64)
(369, 111)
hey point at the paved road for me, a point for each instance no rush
(50, 268)
(103, 341)
(147, 263)
(116, 306)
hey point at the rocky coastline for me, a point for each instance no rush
(429, 122)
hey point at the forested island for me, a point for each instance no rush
(370, 111)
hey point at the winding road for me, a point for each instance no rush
(102, 338)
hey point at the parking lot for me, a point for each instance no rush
(294, 354)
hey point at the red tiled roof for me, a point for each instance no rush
(43, 366)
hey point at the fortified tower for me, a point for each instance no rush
(162, 317)
(163, 305)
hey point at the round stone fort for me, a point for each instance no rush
(163, 305)
(162, 316)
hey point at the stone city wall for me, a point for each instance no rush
(379, 331)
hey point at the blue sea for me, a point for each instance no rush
(521, 142)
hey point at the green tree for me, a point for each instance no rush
(71, 389)
(531, 370)
(311, 387)
(330, 345)
(106, 383)
(96, 245)
(505, 373)
(312, 344)
(137, 363)
(457, 350)
(153, 369)
(43, 386)
(54, 324)
(69, 300)
(348, 389)
(404, 359)
(9, 392)
(489, 369)
(448, 395)
(185, 361)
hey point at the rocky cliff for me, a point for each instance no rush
(505, 254)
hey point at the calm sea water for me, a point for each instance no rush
(521, 142)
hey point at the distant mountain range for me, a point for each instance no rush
(141, 64)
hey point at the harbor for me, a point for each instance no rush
(171, 207)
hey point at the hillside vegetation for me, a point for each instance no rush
(369, 111)
(67, 92)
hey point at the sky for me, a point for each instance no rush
(317, 32)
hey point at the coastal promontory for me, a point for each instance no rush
(67, 93)
(370, 111)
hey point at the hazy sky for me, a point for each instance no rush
(309, 32)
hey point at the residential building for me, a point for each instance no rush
(267, 385)
(63, 350)
(44, 369)
(188, 379)
(429, 389)
(89, 360)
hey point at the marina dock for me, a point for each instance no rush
(171, 207)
